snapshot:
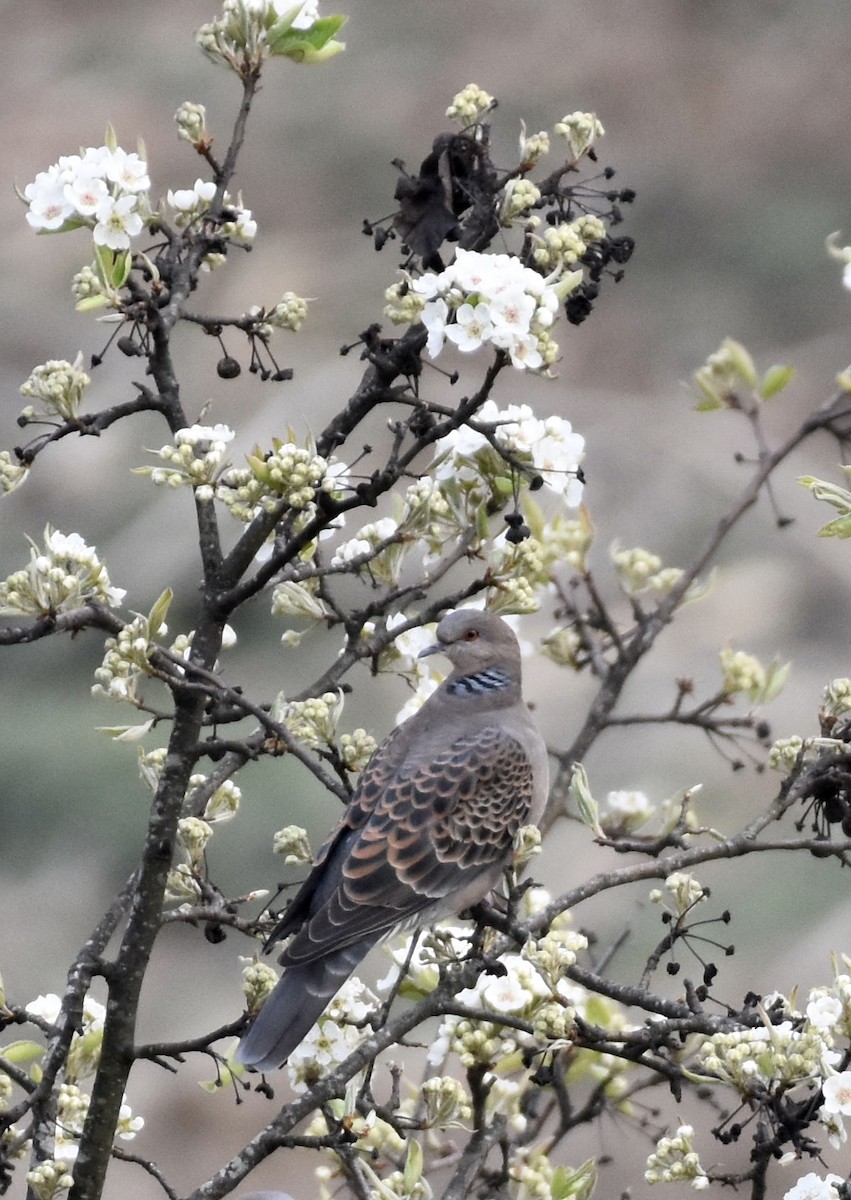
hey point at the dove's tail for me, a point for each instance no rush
(299, 999)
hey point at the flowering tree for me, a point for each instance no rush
(469, 501)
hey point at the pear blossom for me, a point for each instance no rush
(383, 565)
(420, 962)
(244, 227)
(434, 317)
(505, 995)
(488, 298)
(425, 686)
(843, 254)
(472, 327)
(58, 386)
(195, 459)
(412, 642)
(187, 199)
(580, 130)
(49, 208)
(511, 311)
(128, 171)
(352, 549)
(48, 1008)
(470, 104)
(191, 122)
(824, 1011)
(307, 15)
(65, 574)
(675, 1160)
(335, 1036)
(813, 1187)
(550, 447)
(632, 808)
(833, 1126)
(836, 1091)
(117, 222)
(100, 188)
(86, 193)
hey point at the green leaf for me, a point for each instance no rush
(278, 28)
(71, 223)
(413, 1166)
(121, 265)
(775, 379)
(126, 733)
(741, 361)
(313, 45)
(90, 303)
(103, 264)
(113, 266)
(535, 517)
(831, 493)
(22, 1052)
(840, 528)
(259, 469)
(707, 385)
(577, 1184)
(159, 612)
(482, 526)
(775, 680)
(585, 802)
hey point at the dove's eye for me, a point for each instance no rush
(471, 635)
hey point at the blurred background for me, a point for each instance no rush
(731, 121)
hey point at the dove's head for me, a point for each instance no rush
(473, 641)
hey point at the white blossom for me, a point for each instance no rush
(117, 222)
(47, 1007)
(824, 1010)
(49, 208)
(836, 1091)
(187, 200)
(488, 298)
(628, 803)
(813, 1187)
(65, 574)
(128, 171)
(549, 447)
(100, 188)
(334, 1037)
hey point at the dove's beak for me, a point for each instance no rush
(435, 648)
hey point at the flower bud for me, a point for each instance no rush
(191, 121)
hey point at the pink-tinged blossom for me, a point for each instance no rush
(836, 1091)
(522, 349)
(475, 272)
(85, 193)
(99, 188)
(48, 206)
(127, 171)
(512, 310)
(472, 327)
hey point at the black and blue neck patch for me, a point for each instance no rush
(494, 679)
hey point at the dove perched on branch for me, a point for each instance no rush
(428, 831)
